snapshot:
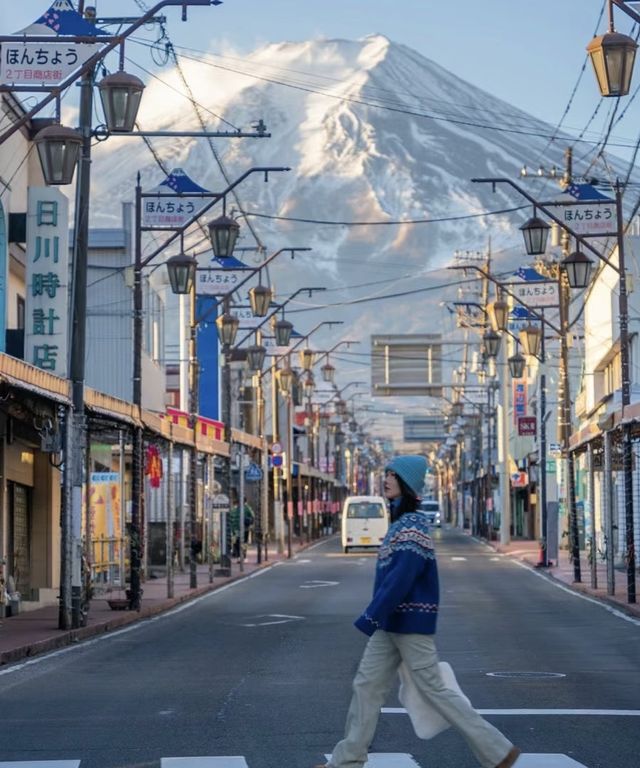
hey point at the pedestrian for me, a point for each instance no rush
(401, 624)
(234, 526)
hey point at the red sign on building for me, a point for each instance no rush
(527, 426)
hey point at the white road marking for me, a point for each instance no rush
(495, 559)
(547, 761)
(459, 558)
(41, 764)
(203, 762)
(544, 712)
(388, 760)
(280, 618)
(318, 583)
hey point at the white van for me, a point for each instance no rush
(365, 520)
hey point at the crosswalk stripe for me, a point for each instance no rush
(203, 762)
(41, 764)
(388, 760)
(376, 760)
(405, 760)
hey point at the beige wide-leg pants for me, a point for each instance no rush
(376, 674)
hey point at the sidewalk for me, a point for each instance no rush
(34, 632)
(527, 552)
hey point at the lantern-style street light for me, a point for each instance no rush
(282, 330)
(531, 340)
(223, 232)
(499, 315)
(255, 357)
(120, 94)
(492, 343)
(517, 365)
(612, 56)
(578, 268)
(285, 377)
(535, 232)
(58, 150)
(260, 299)
(306, 359)
(182, 273)
(227, 325)
(328, 372)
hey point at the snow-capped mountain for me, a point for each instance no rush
(373, 132)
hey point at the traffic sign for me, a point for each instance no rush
(276, 461)
(276, 448)
(253, 473)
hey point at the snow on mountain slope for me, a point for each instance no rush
(373, 132)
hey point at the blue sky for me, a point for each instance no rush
(528, 53)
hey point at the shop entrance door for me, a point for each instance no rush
(20, 538)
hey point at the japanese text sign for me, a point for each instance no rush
(38, 64)
(590, 219)
(519, 399)
(47, 304)
(217, 282)
(537, 294)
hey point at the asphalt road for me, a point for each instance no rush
(263, 669)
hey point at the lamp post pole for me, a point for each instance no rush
(542, 461)
(77, 363)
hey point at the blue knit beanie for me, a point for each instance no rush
(411, 469)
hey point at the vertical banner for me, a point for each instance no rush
(4, 273)
(519, 399)
(208, 358)
(47, 300)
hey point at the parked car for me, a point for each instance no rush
(365, 521)
(431, 509)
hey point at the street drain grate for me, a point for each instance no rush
(526, 675)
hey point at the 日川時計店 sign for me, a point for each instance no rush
(47, 257)
(38, 64)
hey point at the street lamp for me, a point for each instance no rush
(255, 357)
(260, 299)
(282, 330)
(517, 365)
(535, 232)
(182, 273)
(285, 377)
(578, 268)
(306, 359)
(309, 384)
(531, 340)
(499, 315)
(58, 150)
(223, 232)
(328, 372)
(227, 325)
(492, 343)
(120, 94)
(612, 56)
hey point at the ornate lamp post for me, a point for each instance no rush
(612, 56)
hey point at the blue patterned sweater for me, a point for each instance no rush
(405, 591)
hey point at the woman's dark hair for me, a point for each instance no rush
(408, 502)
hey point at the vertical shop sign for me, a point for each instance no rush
(519, 399)
(47, 300)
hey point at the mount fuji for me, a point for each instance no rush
(379, 139)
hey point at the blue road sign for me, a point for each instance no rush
(253, 473)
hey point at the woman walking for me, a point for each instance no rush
(401, 624)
